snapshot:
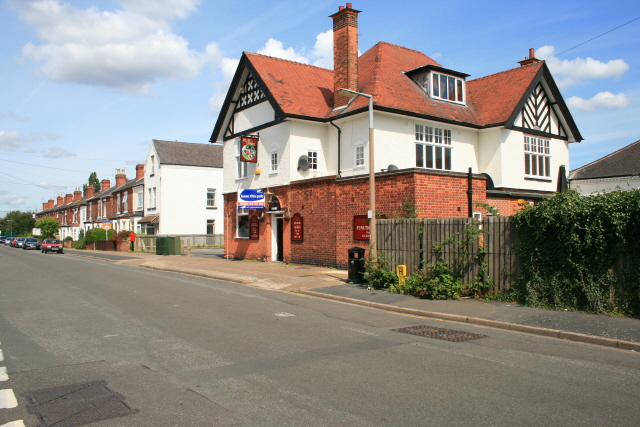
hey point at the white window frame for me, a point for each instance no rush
(118, 204)
(154, 197)
(537, 157)
(312, 155)
(125, 202)
(437, 80)
(153, 165)
(358, 156)
(273, 161)
(433, 147)
(238, 231)
(140, 201)
(241, 169)
(211, 222)
(211, 201)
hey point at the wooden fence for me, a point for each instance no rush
(414, 242)
(188, 241)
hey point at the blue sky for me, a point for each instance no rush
(85, 85)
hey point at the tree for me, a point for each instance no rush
(92, 181)
(18, 222)
(48, 227)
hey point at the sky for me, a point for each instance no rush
(85, 85)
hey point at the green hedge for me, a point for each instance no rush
(97, 235)
(571, 247)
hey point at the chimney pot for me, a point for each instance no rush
(340, 8)
(121, 178)
(532, 53)
(349, 6)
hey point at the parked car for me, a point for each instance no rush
(51, 245)
(19, 242)
(3, 239)
(8, 241)
(31, 243)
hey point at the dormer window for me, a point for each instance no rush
(441, 83)
(447, 87)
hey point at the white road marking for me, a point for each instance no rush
(284, 314)
(18, 423)
(362, 331)
(3, 373)
(8, 399)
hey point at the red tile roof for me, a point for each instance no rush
(306, 90)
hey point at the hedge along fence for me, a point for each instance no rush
(581, 253)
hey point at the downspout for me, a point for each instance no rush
(470, 192)
(339, 132)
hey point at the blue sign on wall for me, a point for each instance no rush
(251, 199)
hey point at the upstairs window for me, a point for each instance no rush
(537, 157)
(313, 159)
(211, 198)
(447, 87)
(433, 148)
(359, 156)
(274, 162)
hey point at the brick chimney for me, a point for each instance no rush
(139, 171)
(68, 199)
(50, 204)
(106, 184)
(60, 199)
(77, 195)
(531, 59)
(45, 206)
(345, 52)
(91, 191)
(121, 177)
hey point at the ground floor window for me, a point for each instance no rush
(211, 226)
(242, 225)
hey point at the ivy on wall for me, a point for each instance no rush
(581, 253)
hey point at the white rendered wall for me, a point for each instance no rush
(151, 181)
(253, 116)
(590, 186)
(183, 209)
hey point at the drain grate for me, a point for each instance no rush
(77, 404)
(440, 333)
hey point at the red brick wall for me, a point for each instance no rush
(505, 206)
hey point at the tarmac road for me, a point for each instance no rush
(193, 351)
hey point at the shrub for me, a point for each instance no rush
(97, 235)
(68, 238)
(377, 272)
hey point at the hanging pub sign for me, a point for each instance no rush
(297, 227)
(251, 198)
(360, 227)
(249, 149)
(254, 228)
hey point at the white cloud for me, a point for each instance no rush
(13, 116)
(570, 72)
(228, 69)
(11, 199)
(601, 100)
(323, 50)
(275, 48)
(58, 152)
(128, 49)
(48, 186)
(12, 140)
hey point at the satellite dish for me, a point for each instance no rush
(303, 163)
(392, 168)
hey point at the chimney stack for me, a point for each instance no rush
(68, 199)
(106, 184)
(90, 190)
(77, 195)
(531, 59)
(59, 199)
(50, 204)
(121, 177)
(345, 52)
(139, 171)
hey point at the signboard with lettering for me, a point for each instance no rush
(254, 228)
(360, 227)
(297, 227)
(251, 199)
(249, 149)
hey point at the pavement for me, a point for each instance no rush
(323, 282)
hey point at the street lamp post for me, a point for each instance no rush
(372, 177)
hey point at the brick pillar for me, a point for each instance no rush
(345, 52)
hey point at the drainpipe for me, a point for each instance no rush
(339, 132)
(470, 193)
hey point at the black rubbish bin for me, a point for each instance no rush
(356, 265)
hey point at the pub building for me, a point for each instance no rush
(297, 152)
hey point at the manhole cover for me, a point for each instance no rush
(440, 333)
(77, 404)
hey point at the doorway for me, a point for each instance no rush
(277, 237)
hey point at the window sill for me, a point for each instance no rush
(241, 238)
(528, 178)
(212, 207)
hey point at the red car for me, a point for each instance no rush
(51, 245)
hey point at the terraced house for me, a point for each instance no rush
(297, 145)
